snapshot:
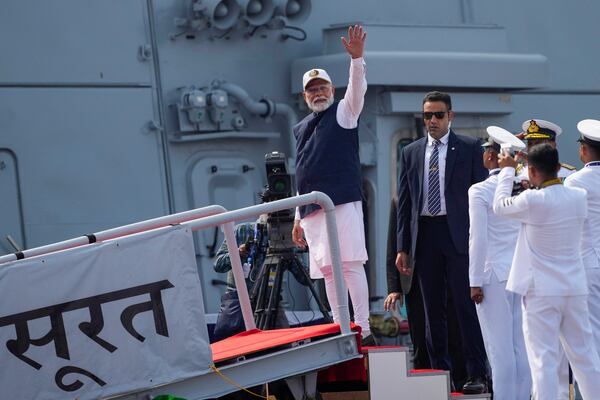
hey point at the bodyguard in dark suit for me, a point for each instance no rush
(433, 232)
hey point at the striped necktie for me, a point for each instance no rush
(434, 202)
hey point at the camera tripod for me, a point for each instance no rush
(266, 293)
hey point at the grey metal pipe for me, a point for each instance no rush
(251, 212)
(265, 108)
(116, 232)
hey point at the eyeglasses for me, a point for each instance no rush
(438, 114)
(317, 89)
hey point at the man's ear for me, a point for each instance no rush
(332, 90)
(450, 115)
(304, 96)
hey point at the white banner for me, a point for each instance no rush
(103, 319)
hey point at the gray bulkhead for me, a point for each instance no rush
(92, 136)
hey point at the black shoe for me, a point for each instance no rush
(368, 341)
(475, 385)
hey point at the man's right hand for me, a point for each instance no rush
(243, 250)
(402, 263)
(355, 44)
(477, 294)
(505, 160)
(298, 235)
(391, 299)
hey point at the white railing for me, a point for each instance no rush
(212, 216)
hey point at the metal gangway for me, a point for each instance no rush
(296, 362)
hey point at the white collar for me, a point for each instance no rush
(444, 139)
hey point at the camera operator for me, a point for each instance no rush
(252, 240)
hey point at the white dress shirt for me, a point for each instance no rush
(442, 151)
(588, 178)
(547, 260)
(492, 238)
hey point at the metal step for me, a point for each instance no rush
(460, 396)
(390, 376)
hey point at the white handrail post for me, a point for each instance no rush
(238, 275)
(341, 292)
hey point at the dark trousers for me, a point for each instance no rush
(416, 322)
(415, 314)
(443, 271)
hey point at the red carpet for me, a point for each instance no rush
(256, 340)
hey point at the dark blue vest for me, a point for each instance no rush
(327, 159)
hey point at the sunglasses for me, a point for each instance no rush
(438, 114)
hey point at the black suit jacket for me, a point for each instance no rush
(395, 281)
(464, 167)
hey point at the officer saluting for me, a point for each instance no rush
(492, 241)
(588, 178)
(548, 272)
(538, 131)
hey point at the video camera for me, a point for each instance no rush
(279, 185)
(279, 182)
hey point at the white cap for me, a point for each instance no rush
(315, 73)
(540, 129)
(590, 131)
(503, 138)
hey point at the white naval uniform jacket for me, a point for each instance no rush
(547, 260)
(523, 174)
(492, 237)
(588, 179)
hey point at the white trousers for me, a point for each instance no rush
(593, 279)
(550, 321)
(500, 320)
(356, 281)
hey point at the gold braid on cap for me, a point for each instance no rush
(535, 132)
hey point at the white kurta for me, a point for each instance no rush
(351, 233)
(492, 241)
(547, 270)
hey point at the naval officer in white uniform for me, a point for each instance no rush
(548, 272)
(538, 131)
(588, 178)
(492, 240)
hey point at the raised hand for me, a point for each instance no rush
(505, 160)
(355, 44)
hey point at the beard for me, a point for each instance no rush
(320, 103)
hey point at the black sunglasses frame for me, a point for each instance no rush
(427, 115)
